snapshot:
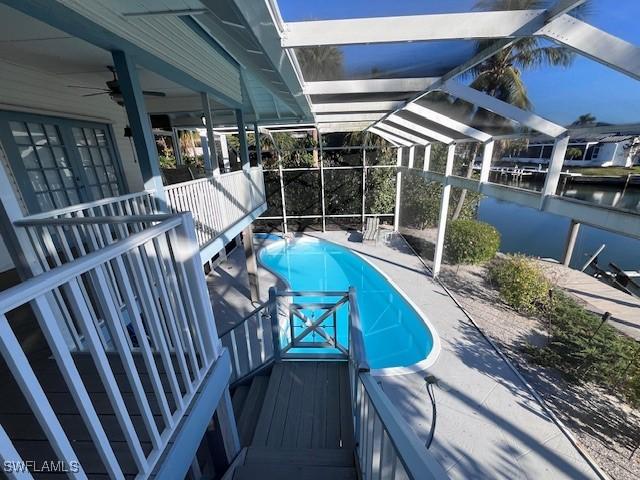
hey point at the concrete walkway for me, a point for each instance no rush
(488, 425)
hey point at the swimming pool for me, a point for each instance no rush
(398, 337)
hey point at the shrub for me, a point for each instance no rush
(471, 242)
(520, 282)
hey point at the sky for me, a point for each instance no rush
(559, 94)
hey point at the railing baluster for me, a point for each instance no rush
(30, 387)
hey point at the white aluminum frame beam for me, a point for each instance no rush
(389, 137)
(349, 117)
(448, 122)
(374, 85)
(594, 43)
(504, 109)
(355, 107)
(410, 28)
(419, 129)
(343, 127)
(413, 139)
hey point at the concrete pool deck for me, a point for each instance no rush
(489, 425)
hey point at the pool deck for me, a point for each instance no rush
(489, 425)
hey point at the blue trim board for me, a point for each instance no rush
(182, 447)
(71, 22)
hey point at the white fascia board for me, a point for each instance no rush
(391, 137)
(448, 122)
(349, 117)
(414, 139)
(410, 28)
(343, 127)
(375, 85)
(419, 129)
(504, 109)
(594, 43)
(354, 107)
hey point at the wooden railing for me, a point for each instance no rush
(141, 300)
(217, 203)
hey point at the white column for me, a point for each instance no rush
(412, 153)
(444, 209)
(256, 137)
(209, 150)
(427, 157)
(225, 153)
(364, 186)
(487, 155)
(321, 161)
(396, 213)
(555, 168)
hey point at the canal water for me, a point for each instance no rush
(532, 232)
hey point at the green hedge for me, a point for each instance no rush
(470, 242)
(520, 282)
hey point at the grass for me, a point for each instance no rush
(607, 171)
(581, 345)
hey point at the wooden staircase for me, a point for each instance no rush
(296, 423)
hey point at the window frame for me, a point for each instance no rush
(65, 128)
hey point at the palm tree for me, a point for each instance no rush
(325, 62)
(585, 120)
(501, 74)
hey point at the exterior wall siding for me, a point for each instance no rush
(24, 89)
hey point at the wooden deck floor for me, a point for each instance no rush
(307, 405)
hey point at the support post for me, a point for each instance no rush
(555, 168)
(324, 220)
(252, 264)
(225, 153)
(487, 155)
(242, 136)
(275, 323)
(177, 152)
(444, 210)
(572, 235)
(412, 154)
(213, 168)
(228, 427)
(206, 158)
(282, 196)
(396, 213)
(140, 124)
(364, 186)
(427, 157)
(256, 136)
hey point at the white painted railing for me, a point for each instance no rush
(217, 203)
(139, 203)
(140, 298)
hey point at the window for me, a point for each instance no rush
(59, 162)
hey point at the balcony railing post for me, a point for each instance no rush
(275, 322)
(187, 254)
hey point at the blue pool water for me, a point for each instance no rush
(395, 334)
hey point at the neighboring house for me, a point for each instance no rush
(586, 151)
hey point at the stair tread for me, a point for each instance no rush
(248, 418)
(300, 456)
(294, 472)
(238, 399)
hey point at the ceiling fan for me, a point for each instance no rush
(113, 89)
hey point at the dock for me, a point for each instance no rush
(598, 297)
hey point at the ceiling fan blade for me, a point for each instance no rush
(154, 94)
(94, 94)
(87, 88)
